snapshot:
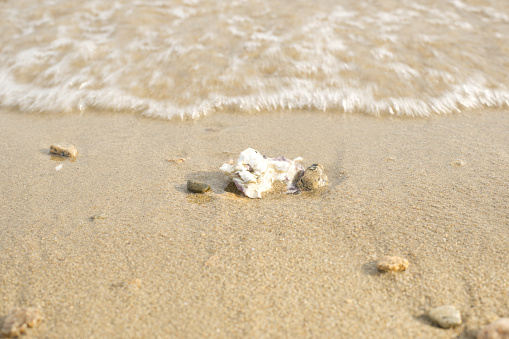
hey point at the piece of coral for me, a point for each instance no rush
(254, 174)
(392, 264)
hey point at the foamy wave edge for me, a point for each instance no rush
(470, 95)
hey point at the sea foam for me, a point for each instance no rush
(190, 58)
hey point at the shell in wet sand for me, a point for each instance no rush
(254, 174)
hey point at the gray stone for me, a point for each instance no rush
(64, 150)
(445, 316)
(499, 329)
(197, 187)
(314, 177)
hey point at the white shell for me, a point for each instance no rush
(253, 174)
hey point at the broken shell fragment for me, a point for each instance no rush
(254, 174)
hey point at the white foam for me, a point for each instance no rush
(191, 58)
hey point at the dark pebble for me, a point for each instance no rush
(197, 187)
(98, 216)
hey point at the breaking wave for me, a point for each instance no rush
(193, 57)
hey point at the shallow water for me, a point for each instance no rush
(192, 57)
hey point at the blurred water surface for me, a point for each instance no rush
(192, 57)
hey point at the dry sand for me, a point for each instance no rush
(161, 262)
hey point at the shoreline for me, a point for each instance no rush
(164, 262)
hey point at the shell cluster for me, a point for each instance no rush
(254, 174)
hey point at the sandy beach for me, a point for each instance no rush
(160, 262)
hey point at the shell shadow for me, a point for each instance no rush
(232, 188)
(467, 334)
(424, 319)
(369, 268)
(45, 151)
(337, 180)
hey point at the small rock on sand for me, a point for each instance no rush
(445, 316)
(17, 321)
(392, 264)
(177, 160)
(197, 187)
(499, 329)
(313, 178)
(458, 163)
(64, 150)
(99, 216)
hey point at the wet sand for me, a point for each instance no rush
(161, 262)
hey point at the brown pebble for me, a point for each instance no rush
(197, 187)
(17, 321)
(392, 264)
(313, 178)
(99, 216)
(64, 150)
(499, 329)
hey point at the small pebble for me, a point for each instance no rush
(99, 216)
(445, 316)
(458, 163)
(197, 187)
(64, 150)
(392, 264)
(177, 160)
(17, 321)
(313, 178)
(499, 329)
